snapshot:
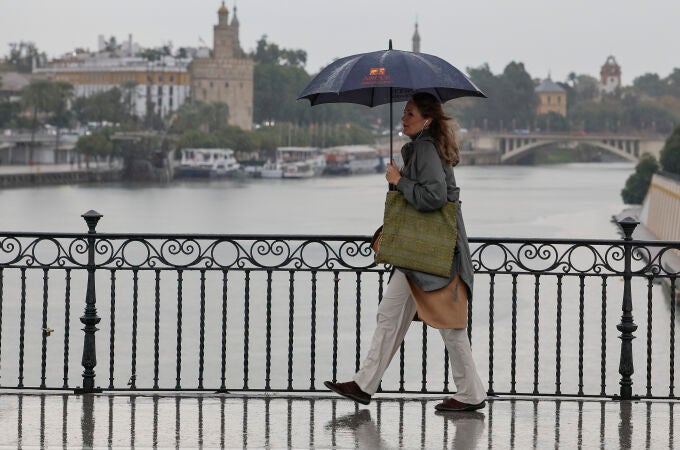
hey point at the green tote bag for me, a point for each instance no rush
(418, 240)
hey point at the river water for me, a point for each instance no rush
(557, 201)
(567, 200)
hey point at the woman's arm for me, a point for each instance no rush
(426, 191)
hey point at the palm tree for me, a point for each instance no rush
(128, 89)
(40, 96)
(62, 116)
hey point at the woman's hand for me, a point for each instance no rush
(392, 174)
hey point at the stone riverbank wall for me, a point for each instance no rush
(8, 180)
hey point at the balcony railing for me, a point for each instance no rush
(282, 313)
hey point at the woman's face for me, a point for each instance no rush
(412, 121)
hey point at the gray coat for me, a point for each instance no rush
(428, 183)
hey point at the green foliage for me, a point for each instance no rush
(275, 93)
(40, 96)
(637, 184)
(208, 117)
(670, 154)
(267, 53)
(46, 100)
(551, 121)
(520, 100)
(197, 139)
(24, 56)
(62, 116)
(8, 112)
(101, 107)
(511, 101)
(98, 143)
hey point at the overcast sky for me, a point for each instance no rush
(548, 36)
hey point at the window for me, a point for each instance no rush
(160, 78)
(172, 78)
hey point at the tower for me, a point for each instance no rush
(416, 40)
(610, 75)
(227, 76)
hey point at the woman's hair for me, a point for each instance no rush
(441, 126)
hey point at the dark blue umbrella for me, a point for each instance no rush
(386, 76)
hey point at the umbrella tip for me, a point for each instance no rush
(390, 47)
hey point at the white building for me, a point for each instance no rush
(153, 86)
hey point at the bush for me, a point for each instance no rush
(670, 154)
(638, 183)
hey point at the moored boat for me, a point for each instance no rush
(207, 163)
(351, 159)
(300, 162)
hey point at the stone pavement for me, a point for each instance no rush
(190, 420)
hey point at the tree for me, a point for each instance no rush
(8, 112)
(511, 98)
(672, 82)
(62, 115)
(93, 145)
(101, 107)
(128, 90)
(650, 84)
(519, 100)
(670, 154)
(637, 184)
(111, 45)
(207, 117)
(24, 56)
(267, 53)
(40, 97)
(552, 121)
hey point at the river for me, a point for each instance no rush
(566, 200)
(556, 201)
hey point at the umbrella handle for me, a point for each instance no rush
(391, 187)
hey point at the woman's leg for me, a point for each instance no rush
(395, 312)
(469, 387)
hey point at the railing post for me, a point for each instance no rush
(90, 318)
(627, 326)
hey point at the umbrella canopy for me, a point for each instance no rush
(387, 76)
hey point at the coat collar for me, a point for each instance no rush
(408, 148)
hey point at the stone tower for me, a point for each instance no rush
(416, 40)
(610, 75)
(226, 76)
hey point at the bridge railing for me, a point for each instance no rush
(283, 313)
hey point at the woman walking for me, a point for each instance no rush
(427, 183)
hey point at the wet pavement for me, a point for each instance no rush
(188, 420)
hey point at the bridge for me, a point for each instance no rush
(514, 146)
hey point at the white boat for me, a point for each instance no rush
(207, 163)
(351, 159)
(299, 162)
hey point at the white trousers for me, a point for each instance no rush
(395, 313)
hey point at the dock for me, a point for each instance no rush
(54, 174)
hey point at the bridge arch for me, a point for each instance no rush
(623, 148)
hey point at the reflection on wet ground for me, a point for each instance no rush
(275, 421)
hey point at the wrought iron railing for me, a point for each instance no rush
(280, 313)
